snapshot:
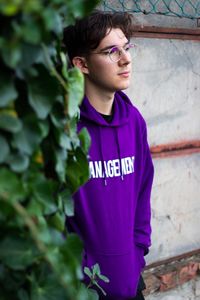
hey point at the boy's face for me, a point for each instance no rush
(101, 71)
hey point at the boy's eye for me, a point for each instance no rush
(106, 52)
(114, 50)
(111, 51)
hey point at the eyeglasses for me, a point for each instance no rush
(115, 53)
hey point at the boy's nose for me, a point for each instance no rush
(125, 56)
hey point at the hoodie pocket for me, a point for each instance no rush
(123, 271)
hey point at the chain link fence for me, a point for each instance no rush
(178, 8)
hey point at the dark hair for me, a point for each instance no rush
(86, 34)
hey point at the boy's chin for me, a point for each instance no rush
(124, 86)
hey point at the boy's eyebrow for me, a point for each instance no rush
(111, 46)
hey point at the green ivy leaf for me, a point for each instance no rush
(61, 156)
(43, 91)
(75, 91)
(43, 231)
(8, 92)
(83, 166)
(30, 135)
(57, 221)
(65, 141)
(11, 54)
(72, 251)
(77, 172)
(75, 245)
(35, 208)
(18, 162)
(44, 191)
(30, 30)
(72, 174)
(47, 289)
(10, 123)
(85, 140)
(44, 128)
(30, 54)
(4, 149)
(67, 202)
(11, 187)
(52, 20)
(18, 253)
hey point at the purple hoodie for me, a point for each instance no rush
(112, 210)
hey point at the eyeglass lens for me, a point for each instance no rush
(116, 52)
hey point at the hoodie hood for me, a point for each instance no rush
(121, 108)
(121, 113)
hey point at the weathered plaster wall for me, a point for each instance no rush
(175, 206)
(166, 89)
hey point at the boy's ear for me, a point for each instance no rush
(80, 62)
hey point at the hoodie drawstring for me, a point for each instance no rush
(119, 153)
(102, 157)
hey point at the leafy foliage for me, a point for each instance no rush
(95, 274)
(42, 159)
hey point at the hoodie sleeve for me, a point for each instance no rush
(142, 233)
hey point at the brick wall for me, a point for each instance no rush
(172, 274)
(188, 291)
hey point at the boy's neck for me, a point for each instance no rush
(102, 101)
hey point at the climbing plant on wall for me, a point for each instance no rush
(42, 159)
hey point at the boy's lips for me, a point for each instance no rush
(124, 74)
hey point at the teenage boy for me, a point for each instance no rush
(112, 210)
